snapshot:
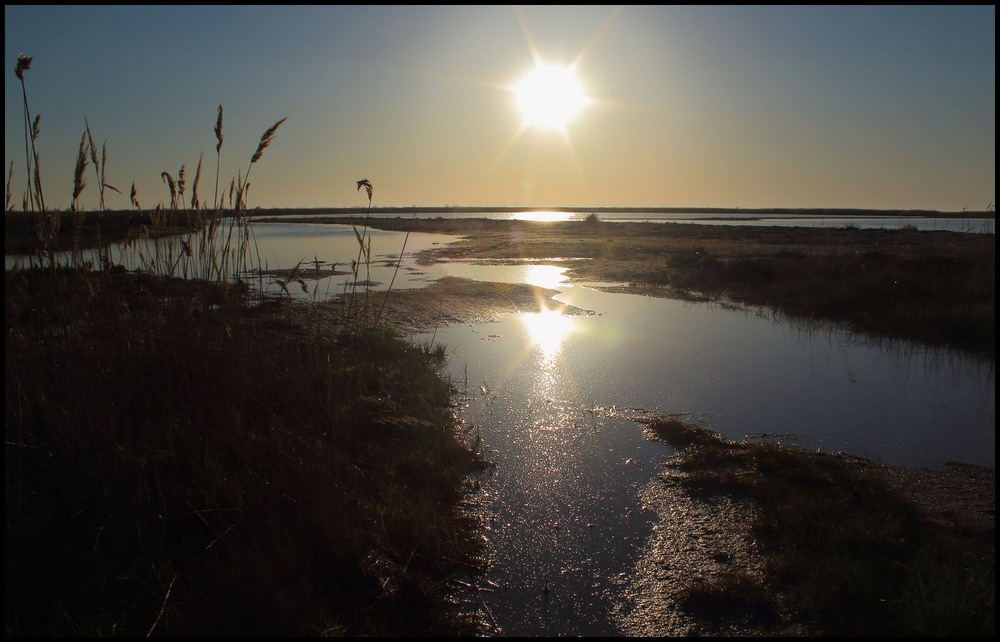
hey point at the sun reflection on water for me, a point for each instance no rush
(542, 216)
(547, 329)
(545, 276)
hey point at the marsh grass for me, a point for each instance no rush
(846, 553)
(933, 287)
(158, 435)
(187, 456)
(937, 298)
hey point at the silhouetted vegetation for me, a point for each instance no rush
(187, 456)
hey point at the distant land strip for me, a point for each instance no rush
(450, 209)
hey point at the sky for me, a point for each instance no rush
(884, 107)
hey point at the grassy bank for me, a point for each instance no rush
(850, 548)
(181, 463)
(184, 456)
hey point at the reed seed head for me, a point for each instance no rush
(194, 188)
(23, 65)
(93, 147)
(81, 164)
(169, 180)
(218, 131)
(132, 197)
(265, 140)
(367, 184)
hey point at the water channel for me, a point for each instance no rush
(554, 397)
(553, 400)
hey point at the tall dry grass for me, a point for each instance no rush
(186, 456)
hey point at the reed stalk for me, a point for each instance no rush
(23, 65)
(369, 189)
(394, 273)
(218, 158)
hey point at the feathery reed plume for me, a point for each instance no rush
(266, 139)
(218, 131)
(367, 184)
(133, 197)
(81, 165)
(169, 180)
(23, 65)
(218, 156)
(90, 140)
(194, 188)
(98, 166)
(180, 187)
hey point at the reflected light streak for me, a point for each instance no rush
(547, 329)
(543, 216)
(545, 276)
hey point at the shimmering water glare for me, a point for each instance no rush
(552, 398)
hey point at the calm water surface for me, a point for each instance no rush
(552, 400)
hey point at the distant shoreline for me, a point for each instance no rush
(22, 217)
(827, 212)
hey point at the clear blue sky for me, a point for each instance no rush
(755, 107)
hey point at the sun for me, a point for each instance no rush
(550, 97)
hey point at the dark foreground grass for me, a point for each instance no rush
(179, 462)
(847, 553)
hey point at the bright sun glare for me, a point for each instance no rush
(547, 329)
(550, 97)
